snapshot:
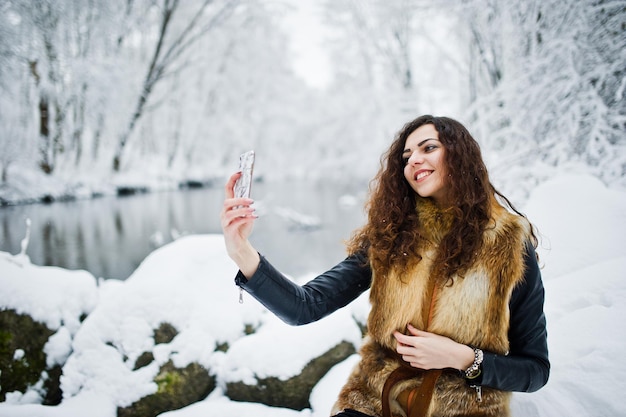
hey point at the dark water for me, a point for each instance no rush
(110, 236)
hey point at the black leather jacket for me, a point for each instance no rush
(526, 368)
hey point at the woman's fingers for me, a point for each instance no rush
(410, 339)
(236, 217)
(234, 208)
(230, 185)
(415, 331)
(427, 350)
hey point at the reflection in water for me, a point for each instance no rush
(110, 236)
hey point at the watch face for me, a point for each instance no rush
(473, 373)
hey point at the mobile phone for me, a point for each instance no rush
(246, 166)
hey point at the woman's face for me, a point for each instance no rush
(425, 169)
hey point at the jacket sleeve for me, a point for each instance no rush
(526, 368)
(296, 304)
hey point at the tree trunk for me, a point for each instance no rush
(165, 56)
(57, 140)
(44, 120)
(5, 172)
(79, 125)
(44, 136)
(95, 149)
(155, 70)
(121, 144)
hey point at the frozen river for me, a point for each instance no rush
(301, 226)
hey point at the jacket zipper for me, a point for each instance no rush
(479, 392)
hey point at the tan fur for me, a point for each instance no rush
(473, 311)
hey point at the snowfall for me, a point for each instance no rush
(189, 283)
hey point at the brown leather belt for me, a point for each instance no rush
(418, 399)
(415, 401)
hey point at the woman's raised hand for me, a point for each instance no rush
(237, 219)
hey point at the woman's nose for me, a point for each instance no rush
(415, 158)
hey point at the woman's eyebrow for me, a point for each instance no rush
(420, 144)
(424, 141)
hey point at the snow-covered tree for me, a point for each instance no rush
(556, 77)
(177, 27)
(177, 89)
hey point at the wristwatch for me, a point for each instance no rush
(475, 368)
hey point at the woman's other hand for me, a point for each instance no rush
(237, 219)
(426, 350)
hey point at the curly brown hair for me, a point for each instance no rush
(392, 232)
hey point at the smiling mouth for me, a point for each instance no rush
(422, 174)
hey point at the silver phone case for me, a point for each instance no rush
(246, 166)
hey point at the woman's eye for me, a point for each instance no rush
(430, 148)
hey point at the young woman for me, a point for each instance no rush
(456, 320)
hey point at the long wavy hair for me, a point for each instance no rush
(392, 232)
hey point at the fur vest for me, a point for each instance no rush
(474, 311)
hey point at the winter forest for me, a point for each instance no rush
(119, 304)
(157, 92)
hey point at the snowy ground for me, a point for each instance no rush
(189, 284)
